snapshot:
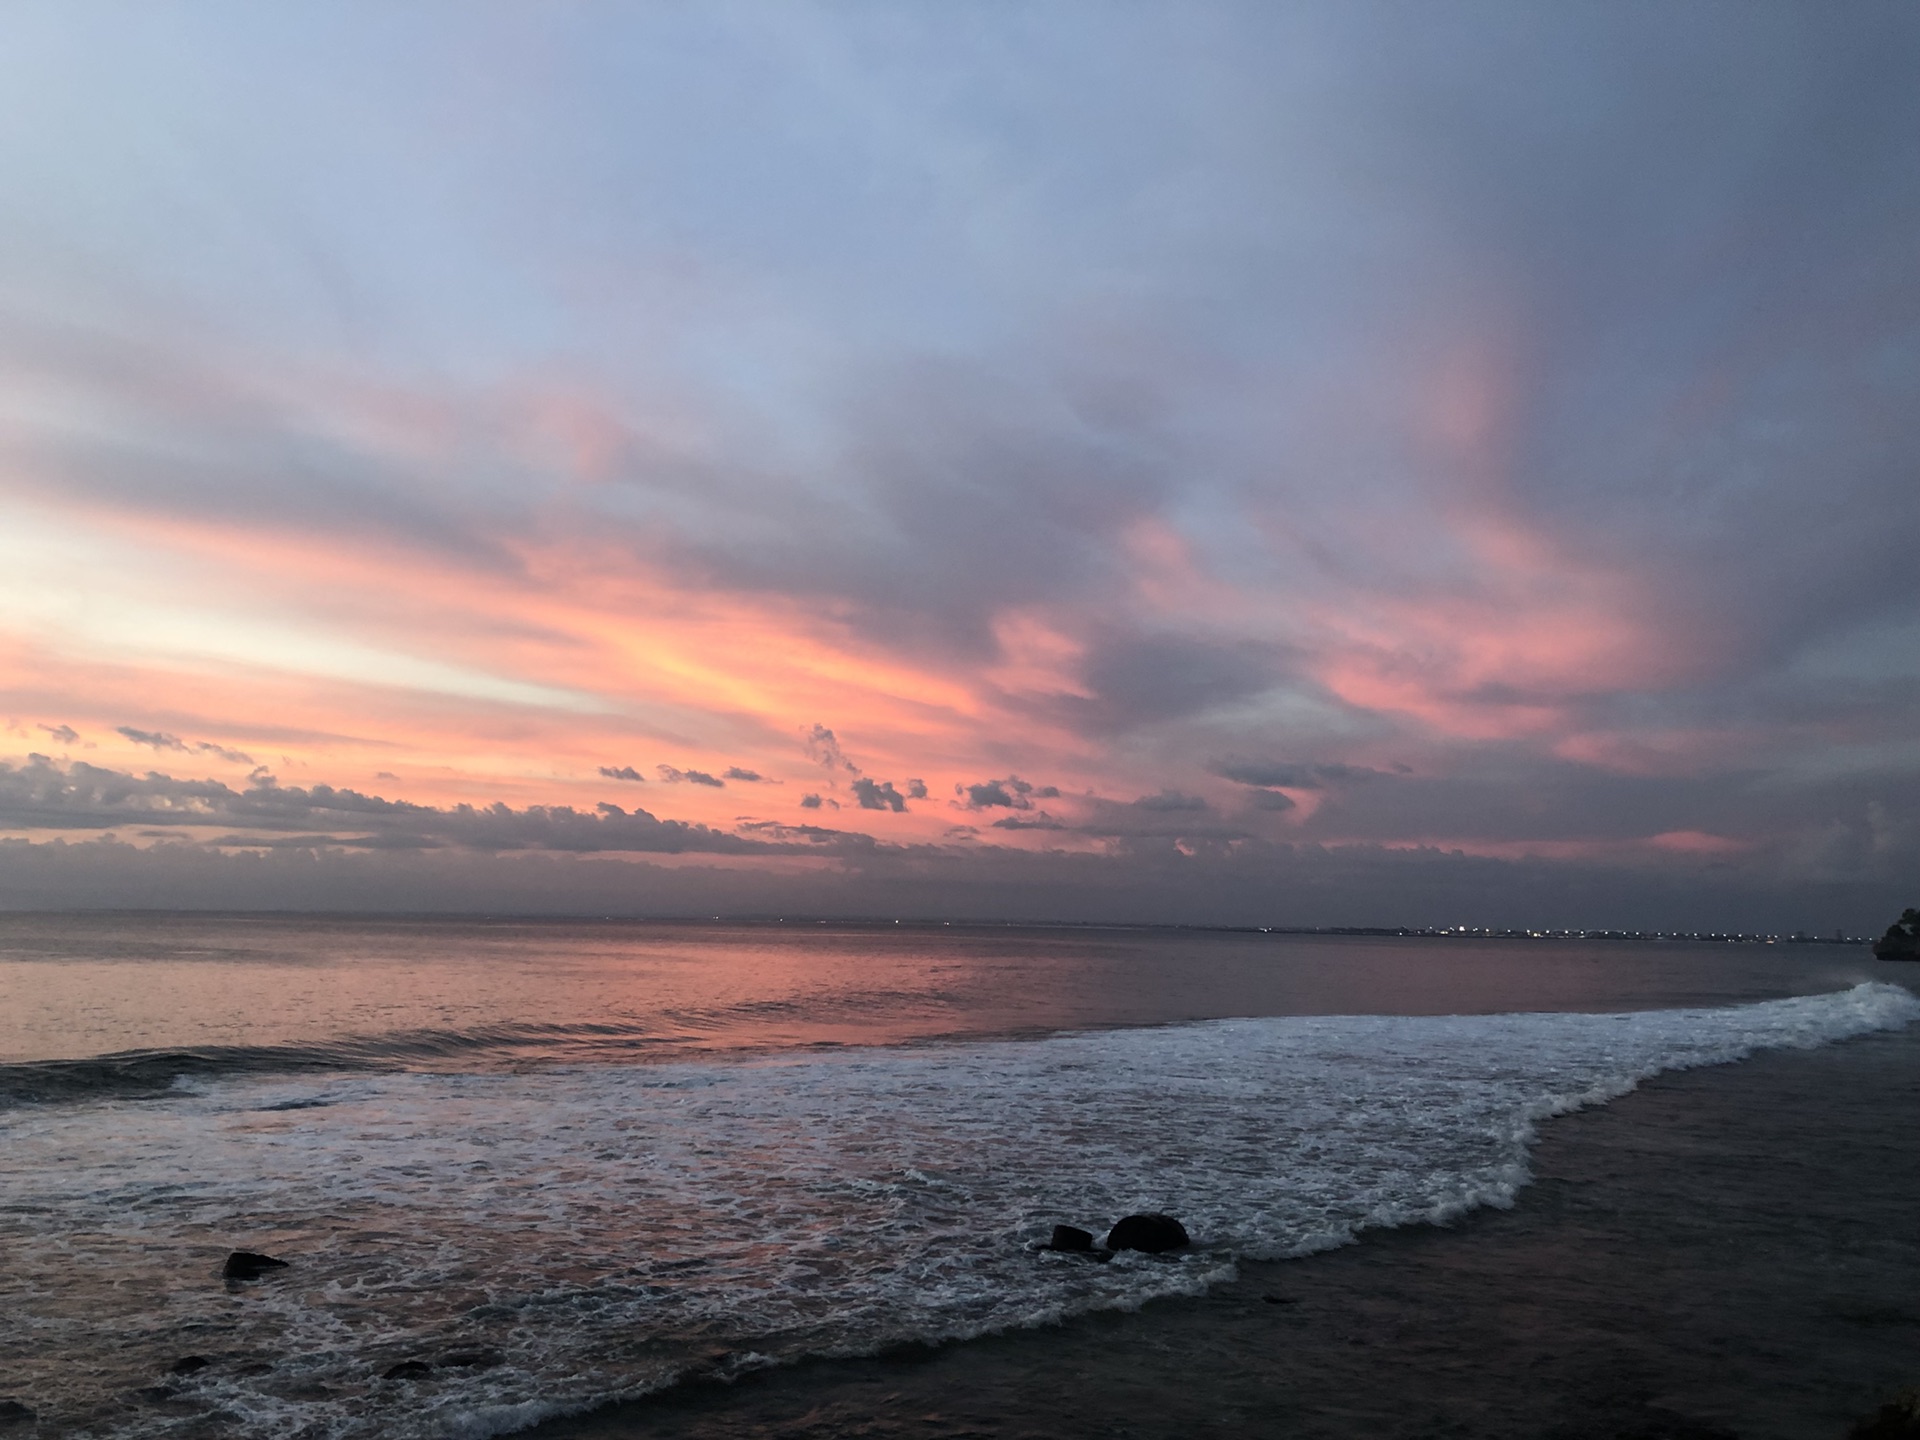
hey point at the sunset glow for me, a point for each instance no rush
(937, 461)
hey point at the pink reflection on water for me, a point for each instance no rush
(444, 994)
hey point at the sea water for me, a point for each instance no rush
(562, 1164)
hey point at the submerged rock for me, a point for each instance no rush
(1153, 1234)
(246, 1265)
(12, 1412)
(473, 1359)
(714, 1365)
(406, 1370)
(188, 1365)
(1070, 1238)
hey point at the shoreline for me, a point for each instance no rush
(1727, 1251)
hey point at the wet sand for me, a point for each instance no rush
(1732, 1251)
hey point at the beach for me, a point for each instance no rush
(1730, 1250)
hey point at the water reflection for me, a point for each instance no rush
(450, 993)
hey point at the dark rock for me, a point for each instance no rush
(1902, 940)
(1661, 1423)
(12, 1412)
(245, 1265)
(406, 1370)
(1151, 1233)
(1071, 1238)
(188, 1365)
(1898, 1419)
(155, 1392)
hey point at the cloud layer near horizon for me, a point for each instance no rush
(1247, 428)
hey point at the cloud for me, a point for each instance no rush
(315, 842)
(989, 793)
(1151, 864)
(674, 776)
(65, 734)
(750, 777)
(1135, 485)
(623, 772)
(1042, 821)
(46, 795)
(916, 789)
(842, 841)
(1251, 883)
(823, 748)
(1280, 775)
(881, 796)
(1274, 800)
(1011, 793)
(160, 740)
(1147, 679)
(1170, 801)
(957, 491)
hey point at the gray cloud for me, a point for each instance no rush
(1249, 883)
(1275, 800)
(675, 776)
(880, 796)
(750, 777)
(823, 748)
(1041, 821)
(1171, 800)
(841, 841)
(809, 802)
(1155, 864)
(160, 740)
(623, 772)
(1011, 793)
(46, 795)
(958, 493)
(196, 436)
(314, 842)
(1281, 775)
(65, 734)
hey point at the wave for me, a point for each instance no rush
(138, 1074)
(605, 1231)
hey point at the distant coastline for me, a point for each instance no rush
(862, 922)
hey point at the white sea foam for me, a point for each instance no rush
(604, 1229)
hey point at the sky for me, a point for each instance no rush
(1282, 464)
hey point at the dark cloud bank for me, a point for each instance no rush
(1265, 885)
(158, 842)
(76, 796)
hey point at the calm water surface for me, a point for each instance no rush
(459, 992)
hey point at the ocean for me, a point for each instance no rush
(531, 1168)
